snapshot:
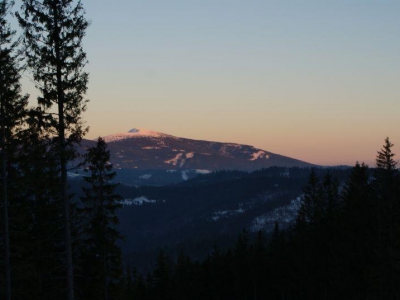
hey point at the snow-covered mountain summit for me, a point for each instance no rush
(146, 149)
(134, 133)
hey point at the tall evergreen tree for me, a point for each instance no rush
(384, 159)
(40, 178)
(102, 265)
(277, 264)
(387, 193)
(53, 32)
(161, 280)
(312, 206)
(356, 233)
(12, 114)
(330, 192)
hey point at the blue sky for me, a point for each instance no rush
(315, 80)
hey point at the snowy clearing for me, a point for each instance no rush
(137, 201)
(259, 154)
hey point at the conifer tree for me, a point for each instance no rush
(183, 282)
(330, 192)
(52, 36)
(356, 233)
(258, 265)
(12, 114)
(162, 277)
(102, 265)
(384, 159)
(386, 190)
(277, 263)
(386, 176)
(312, 205)
(40, 178)
(241, 264)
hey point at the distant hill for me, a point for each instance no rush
(149, 150)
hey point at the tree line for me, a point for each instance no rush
(345, 244)
(55, 246)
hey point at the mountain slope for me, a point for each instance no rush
(145, 149)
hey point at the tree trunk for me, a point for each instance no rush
(105, 273)
(64, 188)
(63, 160)
(5, 204)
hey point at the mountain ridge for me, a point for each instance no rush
(145, 149)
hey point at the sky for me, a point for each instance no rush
(313, 80)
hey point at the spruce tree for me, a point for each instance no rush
(312, 206)
(52, 36)
(162, 275)
(386, 188)
(12, 114)
(102, 265)
(330, 192)
(356, 233)
(258, 265)
(384, 159)
(277, 263)
(40, 178)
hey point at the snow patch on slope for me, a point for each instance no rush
(185, 175)
(138, 201)
(179, 159)
(146, 176)
(216, 215)
(285, 215)
(199, 171)
(174, 161)
(182, 163)
(259, 154)
(73, 175)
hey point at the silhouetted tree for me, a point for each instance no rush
(312, 206)
(356, 228)
(12, 114)
(102, 258)
(162, 277)
(44, 248)
(387, 194)
(52, 36)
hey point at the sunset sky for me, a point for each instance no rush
(314, 80)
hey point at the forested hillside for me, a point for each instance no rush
(344, 245)
(210, 209)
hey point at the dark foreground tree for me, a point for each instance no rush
(12, 114)
(101, 256)
(53, 32)
(386, 186)
(312, 206)
(43, 242)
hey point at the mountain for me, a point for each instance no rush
(149, 150)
